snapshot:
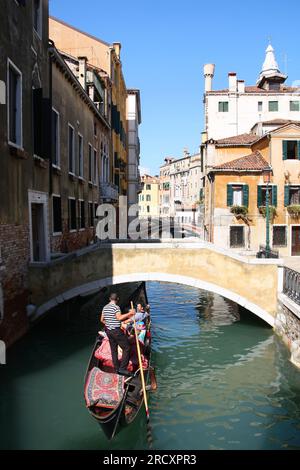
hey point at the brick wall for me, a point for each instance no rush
(15, 250)
(71, 241)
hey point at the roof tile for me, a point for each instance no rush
(254, 161)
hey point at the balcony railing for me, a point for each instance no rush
(291, 284)
(109, 191)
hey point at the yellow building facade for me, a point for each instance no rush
(149, 197)
(236, 192)
(106, 57)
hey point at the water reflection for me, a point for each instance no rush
(224, 379)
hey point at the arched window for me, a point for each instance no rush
(148, 197)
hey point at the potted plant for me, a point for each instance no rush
(263, 211)
(239, 210)
(294, 210)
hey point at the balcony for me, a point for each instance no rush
(92, 79)
(109, 191)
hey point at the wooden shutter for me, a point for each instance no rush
(46, 128)
(284, 149)
(245, 195)
(259, 196)
(298, 149)
(286, 195)
(37, 121)
(229, 195)
(274, 196)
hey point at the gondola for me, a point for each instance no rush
(113, 400)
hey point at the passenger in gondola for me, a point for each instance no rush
(112, 317)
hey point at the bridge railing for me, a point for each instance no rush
(291, 284)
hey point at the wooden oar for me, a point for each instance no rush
(149, 432)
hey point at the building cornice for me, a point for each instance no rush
(67, 72)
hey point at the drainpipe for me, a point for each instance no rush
(50, 45)
(211, 179)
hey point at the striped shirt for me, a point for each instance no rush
(109, 313)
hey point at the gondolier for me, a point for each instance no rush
(112, 318)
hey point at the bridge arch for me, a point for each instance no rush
(163, 277)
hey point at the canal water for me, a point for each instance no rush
(224, 381)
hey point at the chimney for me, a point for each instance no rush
(82, 71)
(232, 82)
(117, 48)
(208, 70)
(241, 86)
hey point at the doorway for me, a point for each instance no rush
(38, 232)
(296, 240)
(38, 205)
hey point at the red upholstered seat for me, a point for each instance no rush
(103, 389)
(103, 353)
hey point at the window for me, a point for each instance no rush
(291, 149)
(71, 149)
(72, 214)
(148, 208)
(37, 16)
(294, 195)
(260, 106)
(37, 119)
(80, 155)
(273, 106)
(14, 79)
(148, 197)
(91, 214)
(94, 175)
(55, 138)
(237, 236)
(294, 105)
(57, 220)
(223, 106)
(90, 163)
(262, 195)
(81, 212)
(279, 235)
(237, 195)
(148, 187)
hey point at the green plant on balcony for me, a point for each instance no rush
(263, 211)
(239, 210)
(294, 210)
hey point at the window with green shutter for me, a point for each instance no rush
(223, 107)
(294, 105)
(246, 195)
(259, 196)
(274, 196)
(286, 195)
(291, 149)
(262, 195)
(284, 149)
(273, 106)
(294, 195)
(229, 195)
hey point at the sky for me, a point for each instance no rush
(165, 44)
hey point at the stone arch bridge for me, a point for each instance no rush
(250, 282)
